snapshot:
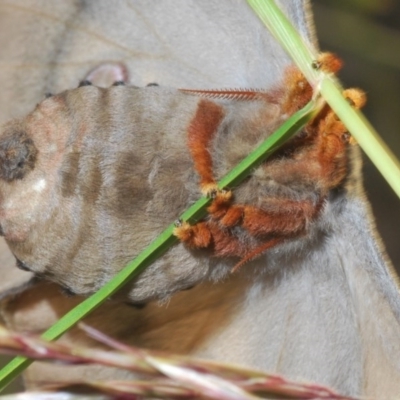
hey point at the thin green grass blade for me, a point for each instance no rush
(166, 239)
(303, 55)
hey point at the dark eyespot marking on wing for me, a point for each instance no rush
(18, 155)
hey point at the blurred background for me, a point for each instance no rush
(366, 35)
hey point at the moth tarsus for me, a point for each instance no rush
(327, 62)
(316, 65)
(212, 194)
(178, 222)
(355, 97)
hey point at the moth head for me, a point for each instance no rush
(18, 154)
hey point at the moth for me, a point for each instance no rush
(76, 183)
(322, 306)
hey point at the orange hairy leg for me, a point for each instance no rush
(315, 160)
(297, 93)
(201, 131)
(196, 236)
(279, 219)
(332, 139)
(284, 219)
(328, 62)
(210, 235)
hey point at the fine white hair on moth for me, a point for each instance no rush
(8, 204)
(52, 148)
(39, 185)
